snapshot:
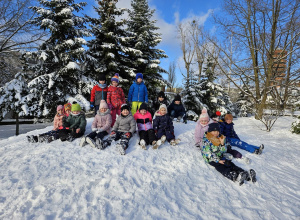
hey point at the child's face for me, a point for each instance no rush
(102, 81)
(139, 80)
(75, 112)
(68, 112)
(177, 102)
(215, 133)
(143, 111)
(203, 121)
(114, 83)
(163, 111)
(125, 112)
(161, 99)
(60, 111)
(103, 110)
(228, 121)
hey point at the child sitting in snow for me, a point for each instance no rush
(115, 98)
(99, 92)
(163, 126)
(53, 134)
(67, 109)
(214, 146)
(100, 127)
(177, 110)
(75, 123)
(228, 130)
(201, 127)
(123, 129)
(161, 99)
(146, 132)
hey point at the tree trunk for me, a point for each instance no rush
(17, 124)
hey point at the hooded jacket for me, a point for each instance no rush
(75, 121)
(102, 121)
(163, 122)
(125, 124)
(138, 93)
(144, 122)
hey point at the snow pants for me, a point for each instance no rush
(169, 135)
(175, 114)
(99, 135)
(114, 112)
(53, 133)
(148, 136)
(226, 169)
(135, 106)
(242, 144)
(234, 153)
(70, 135)
(117, 136)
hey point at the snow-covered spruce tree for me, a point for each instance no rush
(296, 126)
(56, 75)
(213, 94)
(144, 38)
(108, 51)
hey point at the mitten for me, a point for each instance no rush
(128, 134)
(94, 129)
(100, 129)
(112, 133)
(92, 104)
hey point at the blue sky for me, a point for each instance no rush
(168, 13)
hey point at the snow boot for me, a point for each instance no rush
(90, 142)
(105, 144)
(41, 138)
(252, 175)
(143, 144)
(259, 151)
(32, 138)
(174, 142)
(163, 139)
(121, 149)
(99, 143)
(242, 177)
(233, 176)
(82, 142)
(156, 144)
(178, 119)
(48, 139)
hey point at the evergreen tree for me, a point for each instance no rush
(296, 126)
(244, 104)
(56, 74)
(109, 52)
(144, 38)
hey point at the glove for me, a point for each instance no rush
(92, 104)
(94, 129)
(128, 134)
(100, 129)
(112, 133)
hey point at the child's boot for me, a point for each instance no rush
(179, 118)
(163, 139)
(32, 139)
(99, 143)
(82, 141)
(90, 142)
(252, 175)
(242, 177)
(143, 144)
(156, 144)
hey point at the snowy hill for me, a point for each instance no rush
(60, 180)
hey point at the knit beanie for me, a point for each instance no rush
(124, 106)
(60, 107)
(101, 77)
(67, 107)
(115, 78)
(161, 94)
(139, 75)
(228, 117)
(214, 127)
(103, 104)
(143, 106)
(75, 107)
(204, 114)
(163, 106)
(177, 98)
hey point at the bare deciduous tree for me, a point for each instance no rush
(172, 74)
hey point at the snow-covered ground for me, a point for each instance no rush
(61, 180)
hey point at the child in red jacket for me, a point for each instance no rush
(99, 92)
(115, 98)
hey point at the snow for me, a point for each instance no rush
(61, 180)
(73, 65)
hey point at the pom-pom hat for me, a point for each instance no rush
(139, 75)
(59, 107)
(68, 107)
(115, 78)
(204, 114)
(103, 104)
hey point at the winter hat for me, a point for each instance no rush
(228, 117)
(161, 94)
(204, 114)
(177, 98)
(163, 106)
(67, 107)
(59, 107)
(216, 115)
(101, 77)
(139, 75)
(214, 127)
(143, 106)
(103, 104)
(124, 106)
(75, 107)
(115, 78)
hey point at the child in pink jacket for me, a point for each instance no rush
(144, 122)
(201, 127)
(100, 127)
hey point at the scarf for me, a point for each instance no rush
(214, 140)
(102, 86)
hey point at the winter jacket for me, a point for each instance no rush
(98, 94)
(227, 130)
(102, 121)
(75, 121)
(125, 124)
(144, 122)
(138, 93)
(115, 96)
(177, 108)
(157, 103)
(200, 131)
(58, 122)
(212, 153)
(163, 122)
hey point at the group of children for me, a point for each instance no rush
(215, 137)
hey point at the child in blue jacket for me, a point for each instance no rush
(137, 93)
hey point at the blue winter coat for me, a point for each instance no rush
(163, 122)
(138, 93)
(177, 108)
(228, 130)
